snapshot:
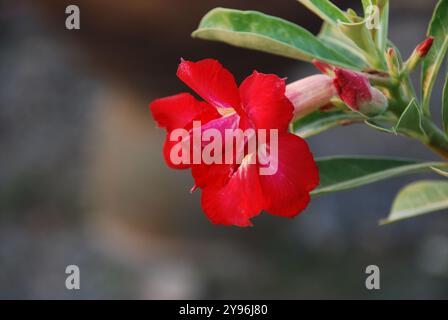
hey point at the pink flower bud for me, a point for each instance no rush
(391, 52)
(393, 65)
(355, 90)
(310, 93)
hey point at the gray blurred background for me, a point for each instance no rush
(82, 177)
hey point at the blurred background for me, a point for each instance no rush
(82, 177)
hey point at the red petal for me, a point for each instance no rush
(238, 200)
(222, 124)
(209, 79)
(208, 114)
(175, 111)
(215, 174)
(287, 191)
(167, 146)
(211, 175)
(263, 100)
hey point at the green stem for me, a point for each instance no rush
(436, 138)
(402, 93)
(408, 87)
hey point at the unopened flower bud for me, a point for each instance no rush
(392, 62)
(376, 105)
(418, 54)
(357, 93)
(310, 94)
(423, 48)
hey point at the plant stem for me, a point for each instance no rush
(436, 138)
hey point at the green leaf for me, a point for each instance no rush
(326, 10)
(341, 173)
(438, 28)
(445, 105)
(366, 4)
(410, 122)
(255, 30)
(361, 36)
(335, 39)
(383, 122)
(381, 34)
(441, 172)
(378, 125)
(320, 121)
(418, 198)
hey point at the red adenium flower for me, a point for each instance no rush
(233, 193)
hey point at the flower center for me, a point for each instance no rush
(225, 111)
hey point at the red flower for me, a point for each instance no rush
(234, 192)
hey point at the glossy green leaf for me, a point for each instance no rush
(445, 105)
(255, 30)
(410, 122)
(332, 37)
(320, 121)
(419, 198)
(438, 28)
(341, 173)
(326, 10)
